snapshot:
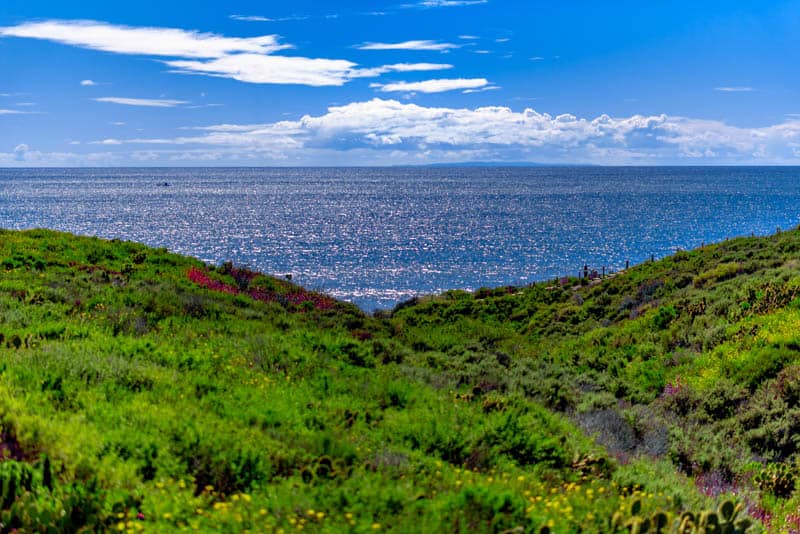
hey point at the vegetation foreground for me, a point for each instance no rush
(142, 391)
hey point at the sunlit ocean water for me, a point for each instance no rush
(377, 236)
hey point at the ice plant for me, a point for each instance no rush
(293, 295)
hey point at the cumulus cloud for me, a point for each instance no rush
(142, 102)
(422, 44)
(88, 83)
(432, 86)
(388, 130)
(21, 151)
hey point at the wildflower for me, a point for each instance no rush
(376, 526)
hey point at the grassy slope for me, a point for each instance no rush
(159, 404)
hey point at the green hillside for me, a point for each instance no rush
(142, 391)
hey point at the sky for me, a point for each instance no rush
(406, 82)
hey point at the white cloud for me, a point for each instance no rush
(481, 89)
(21, 151)
(423, 44)
(11, 112)
(149, 41)
(400, 67)
(390, 131)
(432, 86)
(411, 67)
(252, 68)
(107, 142)
(259, 18)
(536, 58)
(251, 18)
(468, 37)
(249, 60)
(256, 68)
(88, 83)
(502, 40)
(447, 3)
(142, 102)
(736, 89)
(23, 154)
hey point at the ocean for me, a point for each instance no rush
(377, 236)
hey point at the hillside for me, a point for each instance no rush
(145, 391)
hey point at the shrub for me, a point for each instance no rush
(723, 271)
(664, 316)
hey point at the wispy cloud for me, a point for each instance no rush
(149, 41)
(256, 68)
(410, 45)
(12, 112)
(447, 3)
(259, 18)
(468, 37)
(251, 18)
(432, 86)
(142, 102)
(111, 142)
(249, 60)
(735, 89)
(481, 89)
(401, 67)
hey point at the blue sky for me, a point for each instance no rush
(408, 82)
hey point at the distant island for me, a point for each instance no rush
(503, 164)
